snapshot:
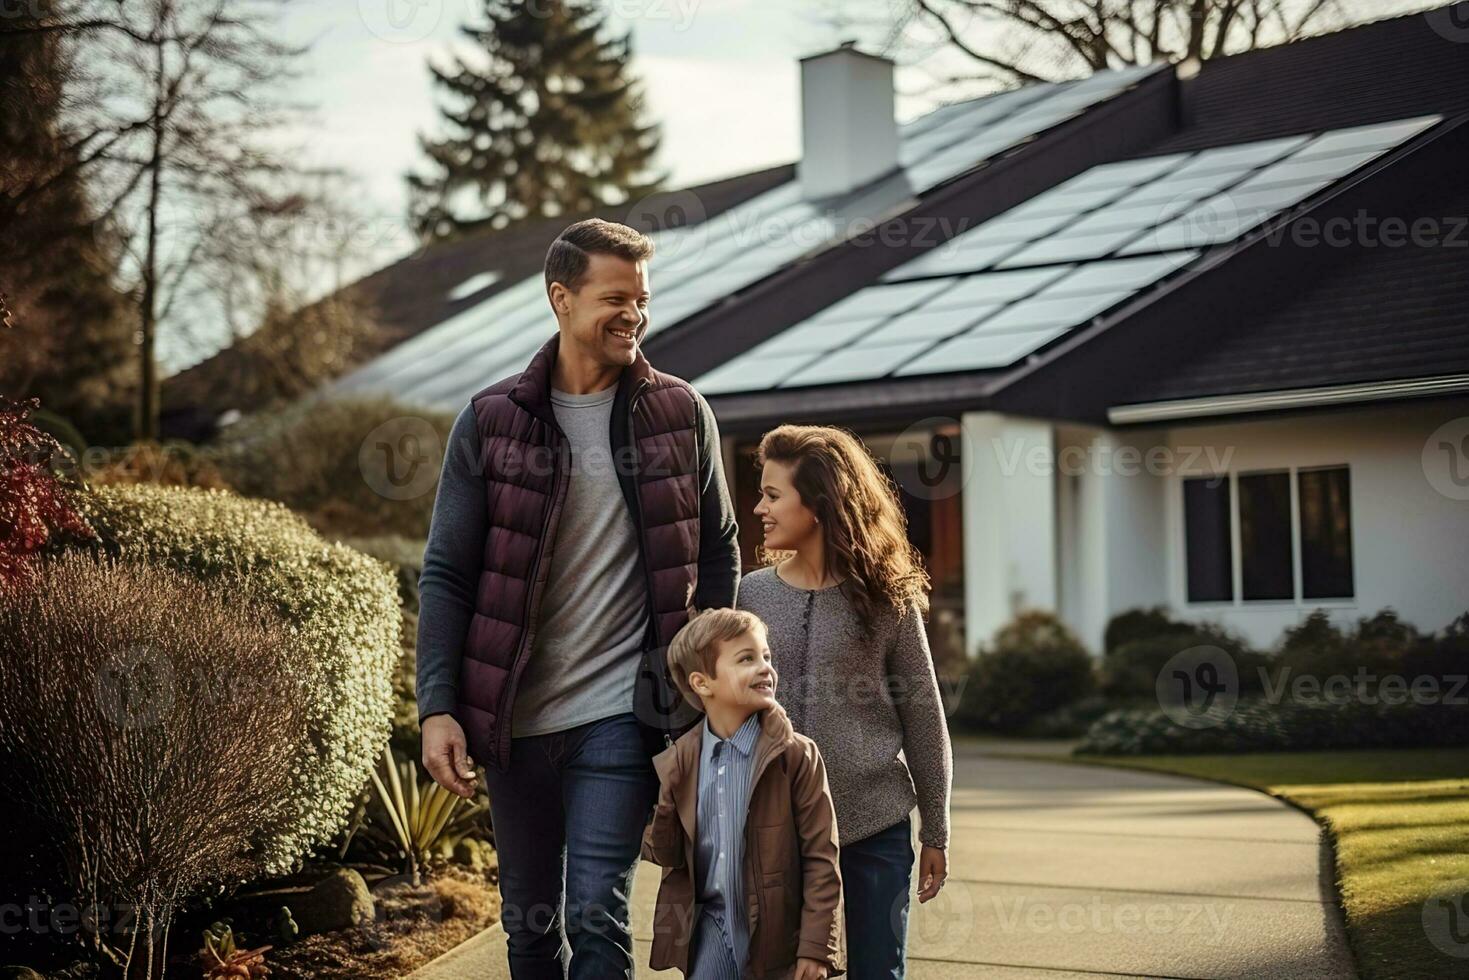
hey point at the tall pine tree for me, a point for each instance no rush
(549, 126)
(72, 344)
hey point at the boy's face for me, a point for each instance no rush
(744, 675)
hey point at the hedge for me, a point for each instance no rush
(344, 604)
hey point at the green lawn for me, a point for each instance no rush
(1399, 820)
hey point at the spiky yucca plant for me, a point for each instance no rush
(419, 818)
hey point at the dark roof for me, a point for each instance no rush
(1390, 69)
(1382, 313)
(412, 294)
(1248, 318)
(1283, 310)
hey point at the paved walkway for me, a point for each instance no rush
(1066, 872)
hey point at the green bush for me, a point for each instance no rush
(343, 603)
(1383, 684)
(1380, 644)
(310, 456)
(1131, 671)
(1139, 624)
(1034, 665)
(175, 463)
(406, 556)
(1256, 725)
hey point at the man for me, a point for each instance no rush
(581, 516)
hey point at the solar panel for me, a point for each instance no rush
(1044, 312)
(967, 253)
(1379, 136)
(1173, 205)
(1130, 274)
(1173, 187)
(752, 373)
(1242, 156)
(1066, 246)
(1022, 228)
(884, 299)
(1309, 169)
(851, 365)
(973, 352)
(927, 325)
(1125, 173)
(994, 287)
(816, 336)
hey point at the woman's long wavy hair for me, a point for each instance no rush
(863, 525)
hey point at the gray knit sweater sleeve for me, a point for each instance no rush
(870, 702)
(926, 745)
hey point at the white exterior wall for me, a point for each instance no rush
(1093, 525)
(1410, 542)
(1009, 520)
(1113, 549)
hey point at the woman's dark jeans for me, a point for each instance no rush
(573, 803)
(876, 872)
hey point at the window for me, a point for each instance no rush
(1281, 540)
(1264, 536)
(1206, 536)
(1326, 534)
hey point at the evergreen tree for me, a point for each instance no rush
(73, 340)
(549, 126)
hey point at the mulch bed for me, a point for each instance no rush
(413, 925)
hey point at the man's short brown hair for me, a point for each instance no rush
(696, 646)
(570, 254)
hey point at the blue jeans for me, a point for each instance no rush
(876, 872)
(569, 816)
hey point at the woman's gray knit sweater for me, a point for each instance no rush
(860, 700)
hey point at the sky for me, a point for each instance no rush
(720, 76)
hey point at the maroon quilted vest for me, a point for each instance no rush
(525, 462)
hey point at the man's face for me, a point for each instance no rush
(743, 674)
(607, 317)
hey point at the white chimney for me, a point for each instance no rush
(848, 135)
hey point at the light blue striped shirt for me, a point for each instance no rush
(725, 767)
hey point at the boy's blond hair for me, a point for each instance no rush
(696, 646)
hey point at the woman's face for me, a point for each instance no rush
(788, 524)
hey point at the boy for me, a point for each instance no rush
(744, 827)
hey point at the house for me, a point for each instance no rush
(1194, 336)
(428, 287)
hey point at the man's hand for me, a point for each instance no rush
(444, 755)
(809, 969)
(933, 868)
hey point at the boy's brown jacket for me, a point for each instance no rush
(792, 881)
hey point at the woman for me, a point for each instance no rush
(843, 599)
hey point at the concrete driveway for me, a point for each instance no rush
(1061, 871)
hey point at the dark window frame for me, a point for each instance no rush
(1306, 587)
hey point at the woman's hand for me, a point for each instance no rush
(933, 868)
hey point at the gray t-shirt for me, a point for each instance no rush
(594, 612)
(453, 560)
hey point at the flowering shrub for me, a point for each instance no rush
(342, 603)
(34, 505)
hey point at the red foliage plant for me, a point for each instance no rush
(34, 505)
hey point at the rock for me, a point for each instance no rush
(19, 973)
(473, 853)
(339, 901)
